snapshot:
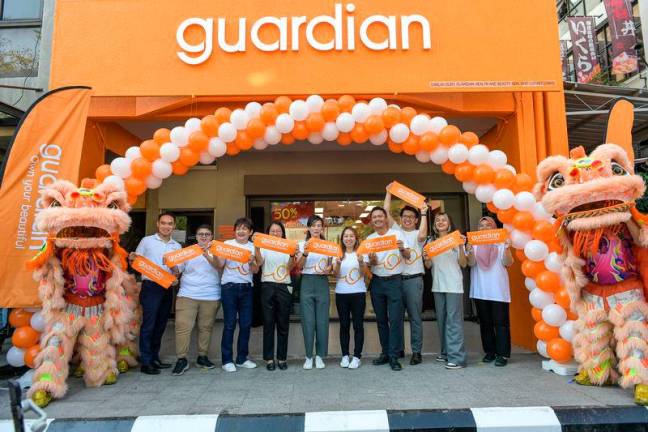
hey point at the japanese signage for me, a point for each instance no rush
(622, 29)
(583, 36)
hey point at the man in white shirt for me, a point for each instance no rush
(155, 299)
(415, 233)
(386, 289)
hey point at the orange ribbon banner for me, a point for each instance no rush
(443, 244)
(230, 252)
(379, 244)
(179, 256)
(323, 247)
(406, 194)
(277, 244)
(486, 236)
(153, 271)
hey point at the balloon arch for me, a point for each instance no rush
(483, 172)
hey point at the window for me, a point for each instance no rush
(20, 34)
(21, 9)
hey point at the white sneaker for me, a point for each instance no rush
(345, 362)
(308, 364)
(355, 363)
(248, 364)
(319, 363)
(229, 367)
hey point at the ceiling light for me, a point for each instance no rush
(319, 209)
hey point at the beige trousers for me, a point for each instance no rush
(186, 312)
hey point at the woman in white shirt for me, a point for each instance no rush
(276, 298)
(350, 296)
(489, 287)
(199, 297)
(447, 286)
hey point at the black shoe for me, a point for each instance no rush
(394, 364)
(181, 366)
(501, 361)
(401, 354)
(282, 364)
(150, 370)
(381, 360)
(204, 362)
(271, 365)
(159, 365)
(416, 359)
(488, 358)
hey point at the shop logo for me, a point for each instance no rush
(197, 53)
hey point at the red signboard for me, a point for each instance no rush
(583, 36)
(293, 211)
(622, 29)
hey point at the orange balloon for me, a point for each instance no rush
(30, 355)
(523, 182)
(242, 141)
(232, 149)
(411, 145)
(548, 281)
(449, 135)
(571, 315)
(198, 141)
(519, 254)
(346, 103)
(506, 216)
(179, 169)
(256, 128)
(223, 114)
(188, 157)
(561, 297)
(391, 116)
(394, 147)
(545, 332)
(25, 337)
(141, 168)
(102, 172)
(315, 122)
(344, 139)
(330, 110)
(559, 350)
(300, 131)
(20, 318)
(523, 221)
(555, 246)
(469, 139)
(504, 179)
(135, 186)
(448, 167)
(532, 268)
(150, 150)
(429, 141)
(359, 134)
(131, 199)
(543, 230)
(464, 172)
(407, 114)
(162, 135)
(483, 174)
(490, 206)
(283, 104)
(209, 124)
(269, 113)
(374, 124)
(536, 314)
(287, 139)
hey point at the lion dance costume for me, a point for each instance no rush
(89, 301)
(605, 267)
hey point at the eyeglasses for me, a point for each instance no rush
(204, 235)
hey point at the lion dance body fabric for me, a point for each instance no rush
(89, 301)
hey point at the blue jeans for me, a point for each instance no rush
(237, 303)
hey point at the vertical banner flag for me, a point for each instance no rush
(563, 59)
(622, 29)
(583, 36)
(46, 147)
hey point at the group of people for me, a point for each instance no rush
(396, 286)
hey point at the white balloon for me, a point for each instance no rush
(568, 330)
(298, 110)
(458, 153)
(161, 169)
(503, 199)
(539, 212)
(541, 346)
(116, 181)
(437, 124)
(360, 112)
(540, 299)
(239, 119)
(169, 152)
(524, 201)
(216, 147)
(345, 122)
(553, 262)
(469, 187)
(399, 133)
(153, 182)
(272, 135)
(478, 154)
(530, 284)
(121, 167)
(315, 138)
(314, 103)
(259, 144)
(554, 315)
(16, 357)
(511, 168)
(439, 155)
(253, 110)
(519, 239)
(497, 159)
(284, 123)
(377, 106)
(206, 158)
(133, 153)
(420, 124)
(179, 136)
(484, 193)
(379, 138)
(38, 322)
(192, 125)
(536, 250)
(330, 131)
(227, 132)
(422, 156)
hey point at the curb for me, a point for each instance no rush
(536, 419)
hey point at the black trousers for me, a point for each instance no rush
(494, 326)
(156, 306)
(276, 301)
(351, 307)
(387, 300)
